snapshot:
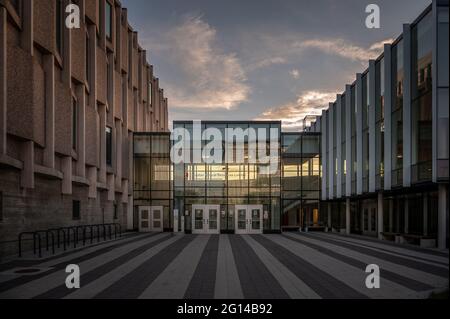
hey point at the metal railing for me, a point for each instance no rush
(67, 236)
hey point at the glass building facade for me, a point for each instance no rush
(228, 195)
(398, 134)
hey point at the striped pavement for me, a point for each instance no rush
(278, 266)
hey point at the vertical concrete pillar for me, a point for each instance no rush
(324, 160)
(391, 215)
(92, 30)
(338, 132)
(111, 187)
(102, 127)
(359, 137)
(380, 214)
(407, 106)
(387, 116)
(124, 188)
(49, 151)
(425, 214)
(406, 219)
(3, 73)
(67, 59)
(26, 36)
(372, 128)
(348, 140)
(27, 157)
(92, 177)
(130, 214)
(66, 167)
(81, 138)
(329, 217)
(331, 160)
(119, 153)
(442, 216)
(347, 216)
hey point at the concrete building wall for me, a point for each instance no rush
(43, 166)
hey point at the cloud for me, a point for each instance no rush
(293, 113)
(266, 62)
(295, 74)
(344, 48)
(207, 76)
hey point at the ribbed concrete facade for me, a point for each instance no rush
(385, 156)
(70, 100)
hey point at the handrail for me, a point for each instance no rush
(66, 239)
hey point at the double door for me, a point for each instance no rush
(205, 219)
(151, 218)
(249, 219)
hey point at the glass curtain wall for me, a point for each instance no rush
(397, 113)
(421, 115)
(379, 123)
(301, 181)
(229, 184)
(153, 173)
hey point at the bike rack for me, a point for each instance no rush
(68, 235)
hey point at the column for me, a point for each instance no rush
(329, 217)
(380, 213)
(359, 137)
(387, 116)
(407, 106)
(331, 161)
(49, 151)
(26, 36)
(347, 216)
(3, 74)
(323, 126)
(391, 215)
(93, 65)
(372, 128)
(348, 140)
(118, 153)
(66, 167)
(27, 157)
(81, 131)
(425, 214)
(338, 132)
(67, 60)
(102, 144)
(92, 177)
(442, 216)
(406, 212)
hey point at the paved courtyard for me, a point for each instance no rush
(291, 265)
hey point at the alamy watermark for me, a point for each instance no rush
(227, 147)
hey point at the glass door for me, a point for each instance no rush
(144, 218)
(156, 218)
(241, 219)
(198, 220)
(255, 214)
(212, 220)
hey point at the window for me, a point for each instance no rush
(116, 216)
(108, 146)
(108, 21)
(76, 210)
(59, 27)
(74, 124)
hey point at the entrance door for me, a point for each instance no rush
(205, 219)
(249, 219)
(150, 218)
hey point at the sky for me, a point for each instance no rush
(261, 59)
